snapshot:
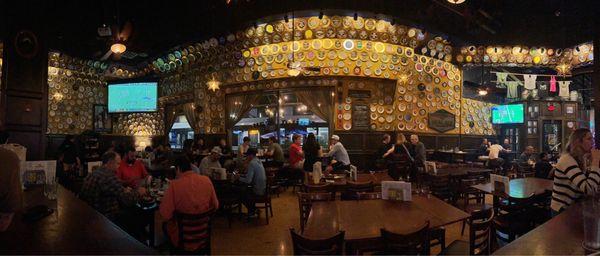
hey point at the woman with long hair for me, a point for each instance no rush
(312, 152)
(577, 172)
(400, 163)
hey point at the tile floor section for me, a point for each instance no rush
(258, 238)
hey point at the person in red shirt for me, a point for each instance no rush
(189, 193)
(296, 154)
(131, 171)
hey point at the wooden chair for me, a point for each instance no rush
(264, 202)
(329, 246)
(472, 199)
(193, 232)
(416, 243)
(274, 187)
(229, 200)
(368, 195)
(525, 170)
(327, 187)
(353, 188)
(512, 218)
(305, 201)
(440, 187)
(480, 229)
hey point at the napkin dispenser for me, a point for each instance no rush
(500, 183)
(353, 173)
(430, 167)
(317, 172)
(396, 190)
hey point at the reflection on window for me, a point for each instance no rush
(180, 132)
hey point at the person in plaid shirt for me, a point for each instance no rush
(103, 190)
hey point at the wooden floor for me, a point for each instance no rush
(256, 237)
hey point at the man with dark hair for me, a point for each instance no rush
(256, 177)
(275, 152)
(131, 171)
(383, 148)
(11, 195)
(189, 193)
(543, 168)
(103, 190)
(69, 155)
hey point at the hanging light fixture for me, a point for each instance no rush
(213, 84)
(563, 69)
(482, 92)
(456, 1)
(118, 48)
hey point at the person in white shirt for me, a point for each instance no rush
(210, 161)
(494, 155)
(341, 160)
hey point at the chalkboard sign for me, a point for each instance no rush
(360, 116)
(442, 121)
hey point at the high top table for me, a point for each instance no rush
(519, 188)
(74, 228)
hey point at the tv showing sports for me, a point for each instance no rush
(303, 121)
(126, 97)
(508, 114)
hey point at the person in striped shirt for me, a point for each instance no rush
(575, 175)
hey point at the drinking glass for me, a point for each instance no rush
(591, 223)
(50, 188)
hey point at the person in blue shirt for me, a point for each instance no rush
(255, 177)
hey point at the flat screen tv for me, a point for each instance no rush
(124, 97)
(508, 114)
(303, 121)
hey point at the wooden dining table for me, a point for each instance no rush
(561, 235)
(519, 188)
(74, 228)
(363, 219)
(375, 177)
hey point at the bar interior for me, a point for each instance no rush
(266, 127)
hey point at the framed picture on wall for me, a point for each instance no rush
(102, 120)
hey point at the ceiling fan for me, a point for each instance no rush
(118, 40)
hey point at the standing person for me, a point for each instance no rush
(131, 171)
(543, 168)
(188, 193)
(383, 148)
(312, 152)
(69, 155)
(420, 155)
(341, 160)
(256, 177)
(275, 152)
(296, 155)
(105, 193)
(11, 194)
(399, 153)
(577, 172)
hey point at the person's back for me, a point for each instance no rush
(104, 192)
(311, 155)
(495, 151)
(277, 152)
(258, 177)
(542, 169)
(11, 196)
(340, 154)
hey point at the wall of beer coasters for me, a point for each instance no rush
(476, 118)
(139, 124)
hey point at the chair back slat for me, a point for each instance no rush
(480, 224)
(194, 228)
(416, 243)
(329, 246)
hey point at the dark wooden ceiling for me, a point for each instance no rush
(160, 25)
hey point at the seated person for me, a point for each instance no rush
(543, 167)
(210, 161)
(255, 177)
(275, 152)
(189, 193)
(494, 155)
(383, 148)
(131, 171)
(105, 193)
(527, 155)
(399, 157)
(484, 147)
(341, 160)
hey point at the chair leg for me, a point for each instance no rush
(462, 231)
(271, 209)
(267, 214)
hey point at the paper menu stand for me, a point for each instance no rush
(353, 173)
(317, 173)
(430, 167)
(500, 183)
(38, 172)
(391, 190)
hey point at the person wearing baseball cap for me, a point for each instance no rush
(256, 177)
(210, 161)
(341, 160)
